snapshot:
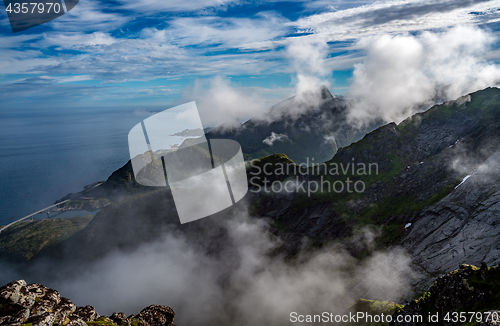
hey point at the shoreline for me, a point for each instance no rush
(83, 204)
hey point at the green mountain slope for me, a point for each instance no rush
(24, 240)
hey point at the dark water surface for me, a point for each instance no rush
(46, 154)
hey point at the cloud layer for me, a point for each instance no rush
(240, 285)
(117, 43)
(403, 74)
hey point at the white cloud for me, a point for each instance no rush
(89, 15)
(13, 41)
(401, 73)
(155, 53)
(308, 58)
(240, 285)
(76, 41)
(227, 32)
(397, 16)
(73, 78)
(218, 101)
(262, 44)
(154, 6)
(274, 137)
(308, 54)
(29, 61)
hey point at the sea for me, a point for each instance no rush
(46, 154)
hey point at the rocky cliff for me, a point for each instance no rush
(469, 295)
(38, 305)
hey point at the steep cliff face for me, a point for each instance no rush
(38, 305)
(464, 227)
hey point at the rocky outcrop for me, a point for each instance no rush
(454, 297)
(37, 305)
(492, 319)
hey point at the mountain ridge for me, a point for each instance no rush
(419, 199)
(312, 125)
(392, 198)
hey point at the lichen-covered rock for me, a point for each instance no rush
(469, 289)
(39, 305)
(11, 292)
(492, 318)
(120, 319)
(63, 309)
(15, 296)
(155, 315)
(37, 289)
(77, 322)
(86, 314)
(42, 306)
(20, 317)
(46, 319)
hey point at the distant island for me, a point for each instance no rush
(191, 132)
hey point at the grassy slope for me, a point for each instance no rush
(23, 240)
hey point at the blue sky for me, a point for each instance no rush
(143, 53)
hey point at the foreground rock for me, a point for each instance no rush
(37, 305)
(469, 295)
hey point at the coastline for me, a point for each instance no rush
(70, 202)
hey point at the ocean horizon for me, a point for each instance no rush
(46, 154)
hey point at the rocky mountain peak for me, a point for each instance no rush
(325, 93)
